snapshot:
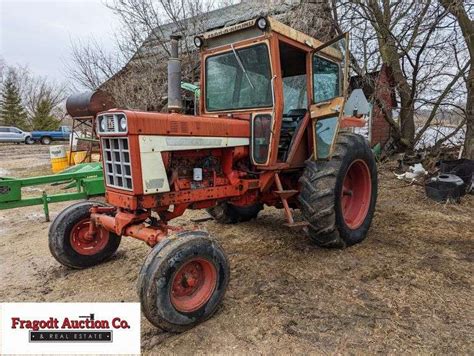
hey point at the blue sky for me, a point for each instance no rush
(38, 33)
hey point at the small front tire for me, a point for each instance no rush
(183, 280)
(69, 243)
(29, 140)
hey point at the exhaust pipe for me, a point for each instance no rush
(174, 77)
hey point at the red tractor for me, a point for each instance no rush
(271, 131)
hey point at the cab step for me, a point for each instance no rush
(285, 194)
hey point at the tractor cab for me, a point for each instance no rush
(280, 80)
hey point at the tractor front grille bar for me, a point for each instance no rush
(116, 158)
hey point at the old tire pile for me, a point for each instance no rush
(463, 168)
(454, 181)
(445, 187)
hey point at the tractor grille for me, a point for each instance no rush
(116, 157)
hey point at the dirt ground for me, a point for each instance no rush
(406, 288)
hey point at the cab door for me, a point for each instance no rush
(330, 85)
(4, 133)
(16, 134)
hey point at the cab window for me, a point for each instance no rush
(326, 79)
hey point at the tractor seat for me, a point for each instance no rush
(291, 120)
(295, 114)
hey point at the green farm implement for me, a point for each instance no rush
(78, 182)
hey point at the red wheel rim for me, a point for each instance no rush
(193, 285)
(87, 245)
(356, 194)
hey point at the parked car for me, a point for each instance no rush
(46, 137)
(14, 134)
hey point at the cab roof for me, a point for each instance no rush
(278, 27)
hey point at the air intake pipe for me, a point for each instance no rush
(174, 77)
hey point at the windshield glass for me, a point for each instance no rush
(231, 85)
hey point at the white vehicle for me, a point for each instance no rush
(14, 134)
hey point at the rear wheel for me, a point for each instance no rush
(70, 243)
(338, 196)
(183, 280)
(45, 140)
(227, 213)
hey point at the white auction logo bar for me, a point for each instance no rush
(70, 328)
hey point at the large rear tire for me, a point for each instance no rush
(183, 280)
(69, 243)
(227, 213)
(338, 196)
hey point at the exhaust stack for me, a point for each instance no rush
(174, 77)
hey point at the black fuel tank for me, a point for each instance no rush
(89, 103)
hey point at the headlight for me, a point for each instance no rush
(103, 124)
(123, 123)
(262, 23)
(108, 124)
(198, 41)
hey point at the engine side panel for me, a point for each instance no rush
(154, 175)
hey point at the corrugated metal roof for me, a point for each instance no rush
(226, 16)
(218, 18)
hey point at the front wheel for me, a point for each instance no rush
(338, 196)
(29, 140)
(183, 280)
(70, 243)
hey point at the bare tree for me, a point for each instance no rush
(91, 64)
(3, 70)
(463, 13)
(415, 40)
(38, 89)
(135, 74)
(34, 90)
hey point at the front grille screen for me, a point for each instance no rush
(116, 158)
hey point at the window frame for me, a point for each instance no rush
(252, 137)
(339, 73)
